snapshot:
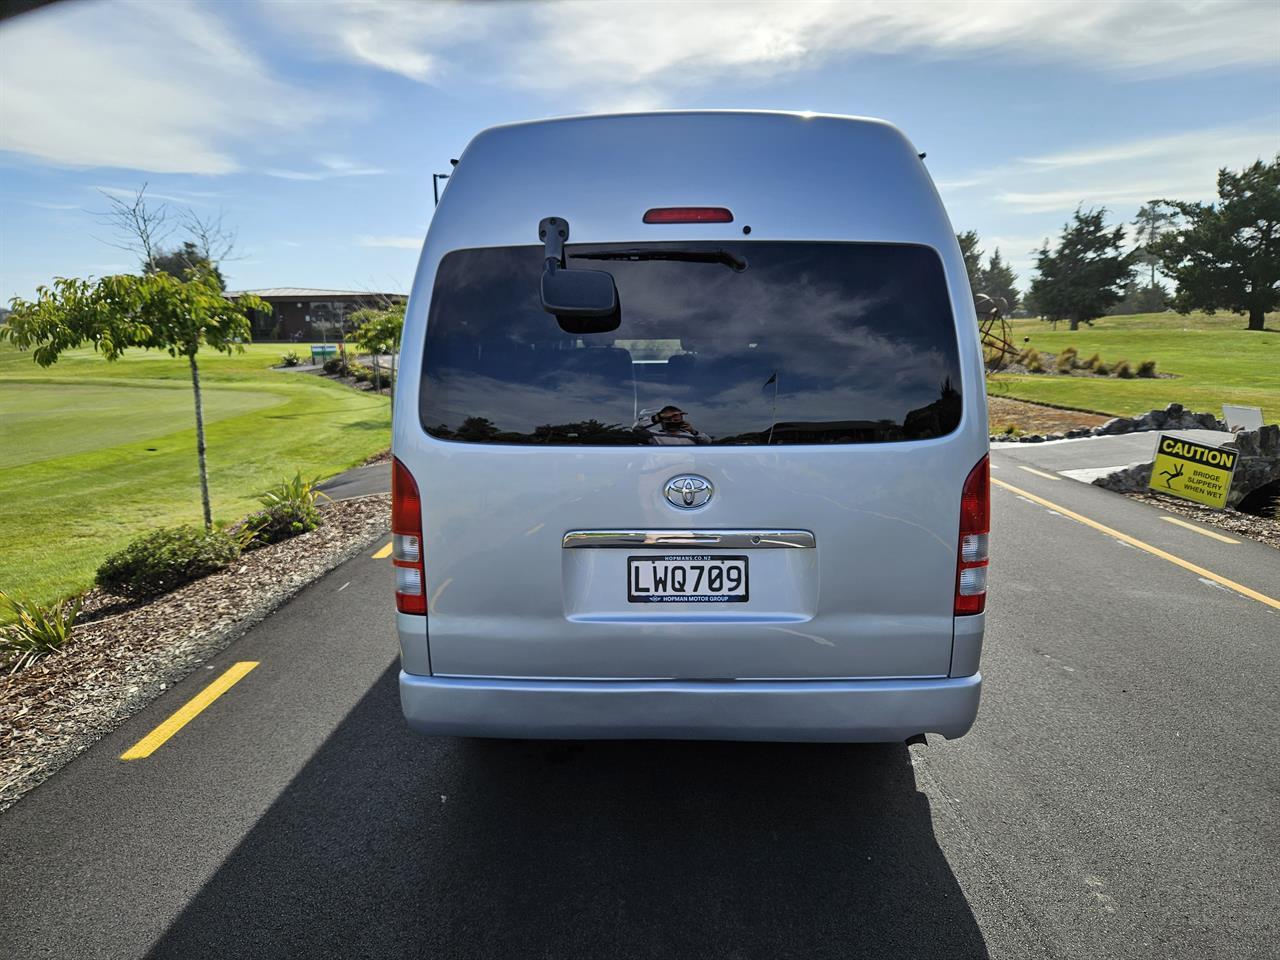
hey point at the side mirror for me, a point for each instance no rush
(584, 301)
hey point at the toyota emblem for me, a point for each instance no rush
(688, 491)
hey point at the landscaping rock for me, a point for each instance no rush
(1257, 465)
(1126, 480)
(1172, 417)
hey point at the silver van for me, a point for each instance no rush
(691, 438)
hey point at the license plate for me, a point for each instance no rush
(687, 578)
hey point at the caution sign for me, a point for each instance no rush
(1193, 471)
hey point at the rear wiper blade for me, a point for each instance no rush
(687, 256)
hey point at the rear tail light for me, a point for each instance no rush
(975, 528)
(406, 541)
(688, 215)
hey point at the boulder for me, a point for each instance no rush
(1127, 479)
(1257, 465)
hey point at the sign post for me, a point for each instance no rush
(1193, 471)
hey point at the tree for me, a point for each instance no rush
(1140, 298)
(997, 281)
(1085, 275)
(379, 332)
(155, 311)
(142, 228)
(184, 259)
(1226, 256)
(972, 258)
(1151, 223)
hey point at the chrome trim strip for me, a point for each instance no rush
(710, 539)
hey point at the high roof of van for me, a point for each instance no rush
(783, 175)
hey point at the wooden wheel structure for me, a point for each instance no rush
(998, 350)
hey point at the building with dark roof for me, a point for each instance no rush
(306, 313)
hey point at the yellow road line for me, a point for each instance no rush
(1202, 530)
(188, 711)
(1154, 551)
(1038, 473)
(383, 553)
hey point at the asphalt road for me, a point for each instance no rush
(1117, 798)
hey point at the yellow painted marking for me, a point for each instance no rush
(1192, 526)
(383, 553)
(188, 711)
(1038, 473)
(1154, 551)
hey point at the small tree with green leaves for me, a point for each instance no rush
(1085, 275)
(152, 312)
(379, 332)
(1226, 255)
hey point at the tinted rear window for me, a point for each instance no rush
(811, 343)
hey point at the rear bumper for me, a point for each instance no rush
(803, 710)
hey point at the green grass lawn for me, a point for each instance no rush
(1215, 360)
(92, 453)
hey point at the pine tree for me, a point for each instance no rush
(1086, 274)
(1226, 256)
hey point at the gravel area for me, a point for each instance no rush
(127, 654)
(1004, 412)
(1263, 529)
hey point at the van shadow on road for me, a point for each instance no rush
(386, 844)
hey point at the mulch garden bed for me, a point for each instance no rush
(1005, 412)
(1263, 529)
(122, 656)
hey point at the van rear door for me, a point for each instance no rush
(775, 425)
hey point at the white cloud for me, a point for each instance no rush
(162, 87)
(330, 168)
(629, 50)
(1181, 166)
(404, 243)
(178, 196)
(392, 35)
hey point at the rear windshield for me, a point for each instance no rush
(799, 343)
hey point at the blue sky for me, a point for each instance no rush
(315, 126)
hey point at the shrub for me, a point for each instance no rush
(361, 373)
(1092, 363)
(290, 359)
(1033, 362)
(1123, 370)
(1066, 360)
(333, 365)
(40, 629)
(277, 523)
(1147, 368)
(289, 508)
(166, 559)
